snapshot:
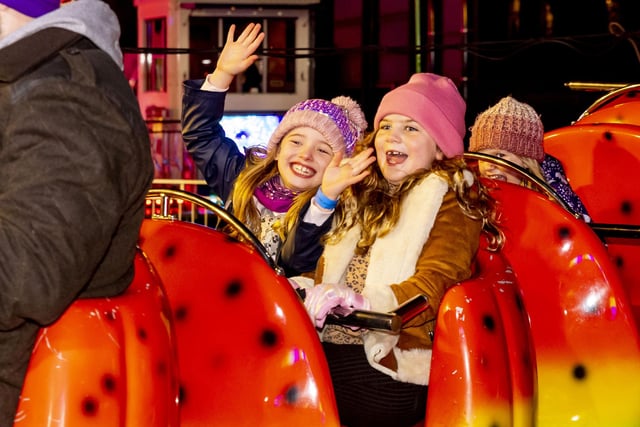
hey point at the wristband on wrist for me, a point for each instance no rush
(324, 202)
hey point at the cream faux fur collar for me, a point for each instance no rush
(393, 259)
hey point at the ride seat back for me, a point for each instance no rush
(617, 106)
(602, 162)
(624, 112)
(483, 365)
(248, 353)
(587, 349)
(106, 362)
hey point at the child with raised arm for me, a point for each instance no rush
(268, 187)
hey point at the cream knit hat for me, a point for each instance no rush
(509, 125)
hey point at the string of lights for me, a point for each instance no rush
(592, 45)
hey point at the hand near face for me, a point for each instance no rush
(340, 173)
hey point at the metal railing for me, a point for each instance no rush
(169, 204)
(178, 182)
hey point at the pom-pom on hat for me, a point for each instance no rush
(509, 125)
(435, 103)
(341, 121)
(32, 8)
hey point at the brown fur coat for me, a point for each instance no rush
(430, 249)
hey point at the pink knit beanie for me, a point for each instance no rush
(32, 8)
(435, 103)
(509, 125)
(340, 121)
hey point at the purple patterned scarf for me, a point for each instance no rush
(275, 196)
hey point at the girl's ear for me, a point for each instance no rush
(439, 154)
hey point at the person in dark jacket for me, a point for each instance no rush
(270, 187)
(75, 166)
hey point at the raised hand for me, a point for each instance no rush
(237, 55)
(341, 174)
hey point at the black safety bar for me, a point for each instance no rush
(388, 322)
(623, 231)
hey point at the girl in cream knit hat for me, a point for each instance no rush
(512, 130)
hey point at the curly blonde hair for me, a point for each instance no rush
(375, 204)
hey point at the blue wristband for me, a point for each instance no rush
(324, 202)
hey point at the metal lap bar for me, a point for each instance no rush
(595, 87)
(623, 231)
(389, 322)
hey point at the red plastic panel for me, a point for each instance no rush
(603, 164)
(625, 254)
(483, 367)
(618, 106)
(248, 353)
(624, 112)
(587, 348)
(106, 362)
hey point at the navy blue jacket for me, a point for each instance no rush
(220, 161)
(216, 155)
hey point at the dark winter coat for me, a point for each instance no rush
(75, 166)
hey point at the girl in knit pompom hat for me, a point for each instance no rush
(411, 227)
(269, 186)
(513, 131)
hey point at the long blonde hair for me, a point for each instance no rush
(375, 205)
(533, 166)
(260, 166)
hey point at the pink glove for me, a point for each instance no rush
(328, 298)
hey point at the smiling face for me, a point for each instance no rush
(403, 147)
(492, 171)
(303, 155)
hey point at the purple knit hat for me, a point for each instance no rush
(341, 121)
(435, 103)
(32, 8)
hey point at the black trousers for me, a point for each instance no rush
(366, 396)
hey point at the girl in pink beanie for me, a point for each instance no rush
(269, 186)
(411, 227)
